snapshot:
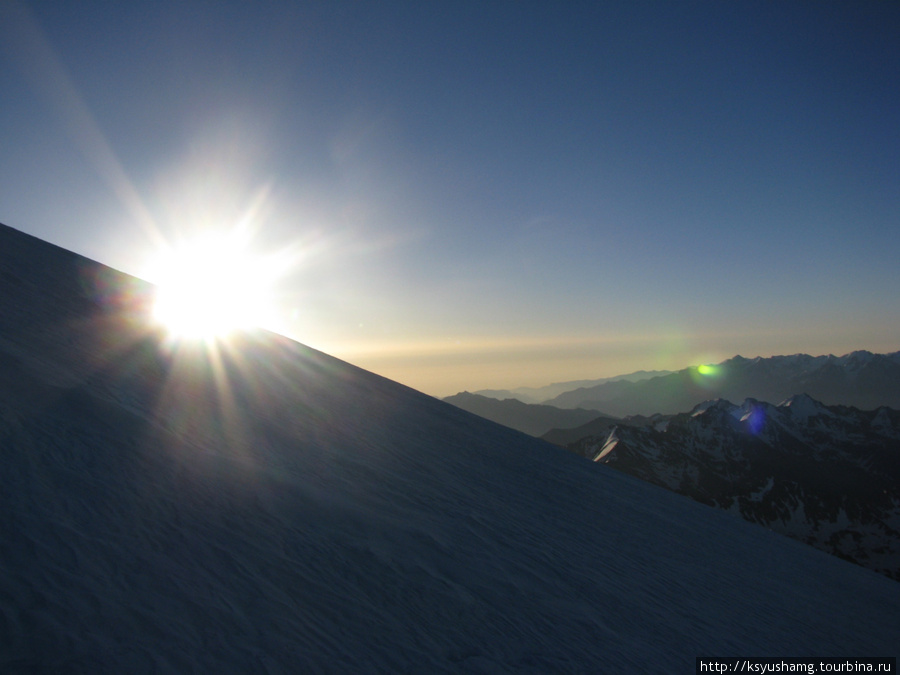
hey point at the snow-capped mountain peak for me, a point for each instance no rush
(802, 406)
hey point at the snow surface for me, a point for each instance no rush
(270, 509)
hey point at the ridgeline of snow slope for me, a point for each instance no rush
(269, 509)
(825, 475)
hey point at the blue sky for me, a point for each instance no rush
(484, 194)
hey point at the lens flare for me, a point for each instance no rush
(707, 370)
(706, 376)
(755, 419)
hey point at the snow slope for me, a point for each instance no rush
(270, 509)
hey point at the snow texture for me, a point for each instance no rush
(265, 508)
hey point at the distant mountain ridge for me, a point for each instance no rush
(826, 475)
(529, 418)
(545, 393)
(860, 379)
(564, 436)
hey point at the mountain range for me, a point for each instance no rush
(257, 506)
(861, 379)
(564, 436)
(529, 418)
(826, 475)
(547, 392)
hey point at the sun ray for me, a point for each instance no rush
(32, 51)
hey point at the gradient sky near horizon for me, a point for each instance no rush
(484, 194)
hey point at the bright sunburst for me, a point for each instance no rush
(211, 286)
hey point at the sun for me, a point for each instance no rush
(212, 286)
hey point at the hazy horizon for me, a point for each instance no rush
(484, 196)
